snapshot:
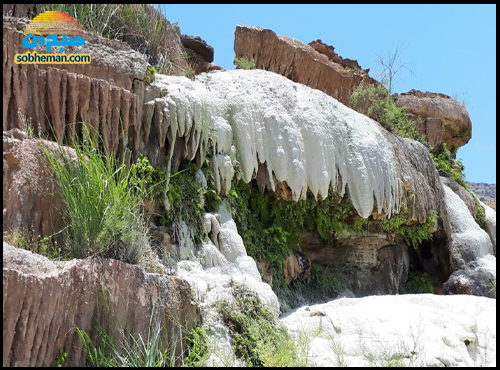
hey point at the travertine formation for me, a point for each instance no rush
(299, 62)
(43, 302)
(305, 138)
(437, 116)
(420, 330)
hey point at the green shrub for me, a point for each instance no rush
(244, 63)
(480, 216)
(374, 101)
(185, 197)
(446, 165)
(272, 228)
(257, 336)
(198, 348)
(412, 232)
(103, 217)
(150, 74)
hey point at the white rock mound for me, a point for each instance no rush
(404, 330)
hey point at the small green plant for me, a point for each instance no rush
(150, 74)
(244, 63)
(480, 215)
(47, 246)
(60, 358)
(103, 217)
(350, 69)
(185, 197)
(419, 283)
(464, 133)
(198, 348)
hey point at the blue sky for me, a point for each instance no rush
(450, 48)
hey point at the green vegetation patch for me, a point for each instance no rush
(244, 63)
(419, 283)
(47, 247)
(375, 102)
(257, 336)
(272, 228)
(103, 216)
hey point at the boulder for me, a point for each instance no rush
(43, 302)
(199, 46)
(478, 277)
(323, 70)
(440, 118)
(199, 64)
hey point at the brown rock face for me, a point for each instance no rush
(28, 186)
(199, 46)
(199, 64)
(44, 300)
(299, 62)
(20, 10)
(200, 54)
(374, 265)
(297, 266)
(440, 118)
(55, 99)
(329, 51)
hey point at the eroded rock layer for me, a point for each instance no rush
(299, 62)
(43, 302)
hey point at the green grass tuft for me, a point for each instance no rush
(103, 217)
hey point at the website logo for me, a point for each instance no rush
(60, 30)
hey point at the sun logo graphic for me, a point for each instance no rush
(54, 29)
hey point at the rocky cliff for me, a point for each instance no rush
(315, 65)
(43, 302)
(297, 176)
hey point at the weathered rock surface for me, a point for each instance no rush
(44, 300)
(329, 51)
(28, 187)
(491, 224)
(199, 64)
(478, 277)
(374, 264)
(298, 62)
(55, 99)
(199, 46)
(440, 118)
(200, 54)
(20, 10)
(405, 330)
